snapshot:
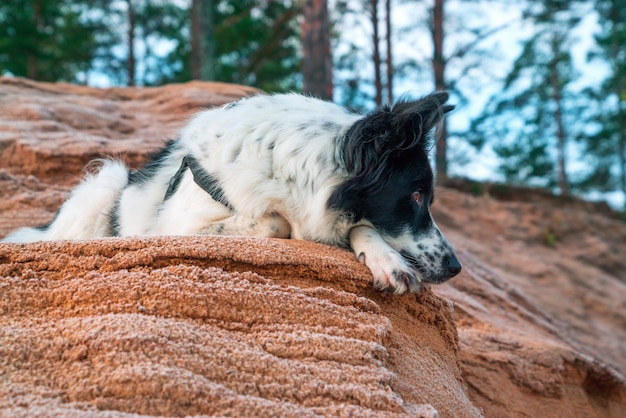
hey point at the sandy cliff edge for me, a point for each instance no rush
(189, 326)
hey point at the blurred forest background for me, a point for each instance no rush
(543, 83)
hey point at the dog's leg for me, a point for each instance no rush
(270, 226)
(391, 271)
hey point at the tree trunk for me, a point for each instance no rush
(377, 61)
(130, 64)
(619, 75)
(439, 66)
(31, 58)
(197, 34)
(317, 78)
(621, 132)
(561, 136)
(203, 40)
(208, 40)
(621, 148)
(561, 144)
(389, 56)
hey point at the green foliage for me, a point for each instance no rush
(550, 238)
(51, 41)
(526, 160)
(253, 43)
(256, 42)
(605, 148)
(521, 122)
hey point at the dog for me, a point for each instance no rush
(283, 166)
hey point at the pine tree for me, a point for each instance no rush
(606, 147)
(247, 41)
(376, 56)
(365, 74)
(532, 118)
(131, 59)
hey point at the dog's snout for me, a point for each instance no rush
(454, 267)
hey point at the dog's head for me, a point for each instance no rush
(390, 183)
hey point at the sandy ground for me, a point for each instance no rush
(534, 325)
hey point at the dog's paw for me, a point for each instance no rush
(391, 272)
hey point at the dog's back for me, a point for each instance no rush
(272, 154)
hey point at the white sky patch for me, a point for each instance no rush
(592, 72)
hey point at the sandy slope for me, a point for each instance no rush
(534, 326)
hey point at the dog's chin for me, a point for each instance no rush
(428, 277)
(434, 279)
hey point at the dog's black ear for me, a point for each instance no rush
(388, 136)
(415, 118)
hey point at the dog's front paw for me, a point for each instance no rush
(391, 272)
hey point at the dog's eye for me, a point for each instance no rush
(416, 196)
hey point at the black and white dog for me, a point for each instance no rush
(282, 166)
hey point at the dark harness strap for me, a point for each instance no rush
(201, 177)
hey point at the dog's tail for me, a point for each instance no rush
(87, 212)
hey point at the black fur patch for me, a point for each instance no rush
(322, 160)
(389, 205)
(201, 177)
(114, 219)
(330, 126)
(235, 153)
(148, 171)
(176, 179)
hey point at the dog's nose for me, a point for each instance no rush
(454, 267)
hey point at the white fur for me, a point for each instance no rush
(86, 213)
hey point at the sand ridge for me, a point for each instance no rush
(188, 326)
